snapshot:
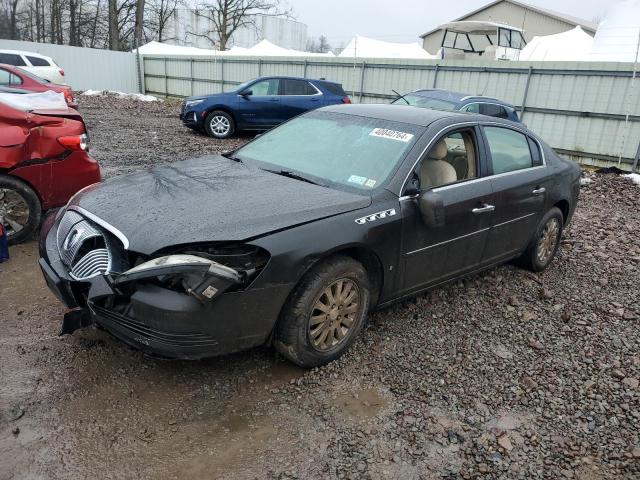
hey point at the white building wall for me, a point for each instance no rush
(188, 29)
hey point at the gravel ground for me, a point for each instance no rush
(506, 374)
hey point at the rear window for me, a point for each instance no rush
(424, 101)
(12, 59)
(334, 88)
(38, 62)
(298, 87)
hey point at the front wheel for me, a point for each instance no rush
(219, 124)
(545, 242)
(325, 314)
(20, 209)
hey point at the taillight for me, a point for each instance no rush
(346, 100)
(74, 142)
(68, 96)
(61, 71)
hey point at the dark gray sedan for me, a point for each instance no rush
(292, 239)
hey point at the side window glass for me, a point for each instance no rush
(505, 38)
(5, 77)
(265, 87)
(298, 87)
(12, 59)
(451, 159)
(509, 150)
(493, 110)
(38, 62)
(15, 80)
(471, 108)
(536, 156)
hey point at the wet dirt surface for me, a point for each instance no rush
(506, 374)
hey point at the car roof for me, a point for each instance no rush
(457, 96)
(23, 52)
(394, 113)
(298, 78)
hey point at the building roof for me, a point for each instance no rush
(585, 24)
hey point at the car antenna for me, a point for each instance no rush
(401, 97)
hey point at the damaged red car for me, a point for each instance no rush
(43, 163)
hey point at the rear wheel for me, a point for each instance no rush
(20, 209)
(219, 124)
(545, 242)
(325, 313)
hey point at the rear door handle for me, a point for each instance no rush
(484, 209)
(539, 191)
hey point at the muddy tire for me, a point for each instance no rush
(325, 314)
(20, 209)
(219, 124)
(544, 244)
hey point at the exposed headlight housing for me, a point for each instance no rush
(197, 276)
(193, 103)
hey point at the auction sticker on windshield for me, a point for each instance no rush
(391, 134)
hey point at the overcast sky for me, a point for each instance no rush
(405, 20)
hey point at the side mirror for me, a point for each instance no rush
(246, 93)
(431, 209)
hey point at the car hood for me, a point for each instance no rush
(208, 199)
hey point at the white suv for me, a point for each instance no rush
(40, 65)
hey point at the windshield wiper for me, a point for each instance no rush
(400, 97)
(290, 174)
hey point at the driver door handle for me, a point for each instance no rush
(539, 191)
(485, 208)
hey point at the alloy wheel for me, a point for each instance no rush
(334, 314)
(220, 125)
(548, 241)
(14, 211)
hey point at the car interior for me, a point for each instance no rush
(450, 160)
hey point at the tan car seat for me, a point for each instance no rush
(434, 171)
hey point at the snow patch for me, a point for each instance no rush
(132, 96)
(585, 181)
(634, 177)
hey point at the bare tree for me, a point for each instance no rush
(159, 13)
(114, 33)
(227, 16)
(137, 36)
(319, 45)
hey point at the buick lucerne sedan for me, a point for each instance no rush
(292, 239)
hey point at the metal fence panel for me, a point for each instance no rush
(87, 68)
(585, 110)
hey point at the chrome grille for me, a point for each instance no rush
(96, 262)
(74, 231)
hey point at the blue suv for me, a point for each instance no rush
(462, 102)
(259, 104)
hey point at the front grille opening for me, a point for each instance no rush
(93, 243)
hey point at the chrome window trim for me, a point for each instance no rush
(466, 182)
(480, 102)
(107, 226)
(447, 241)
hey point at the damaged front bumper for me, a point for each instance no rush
(210, 316)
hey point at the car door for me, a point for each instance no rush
(434, 254)
(297, 97)
(262, 108)
(520, 180)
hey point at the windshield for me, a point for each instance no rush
(427, 102)
(345, 151)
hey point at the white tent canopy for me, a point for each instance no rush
(573, 45)
(263, 49)
(618, 34)
(363, 47)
